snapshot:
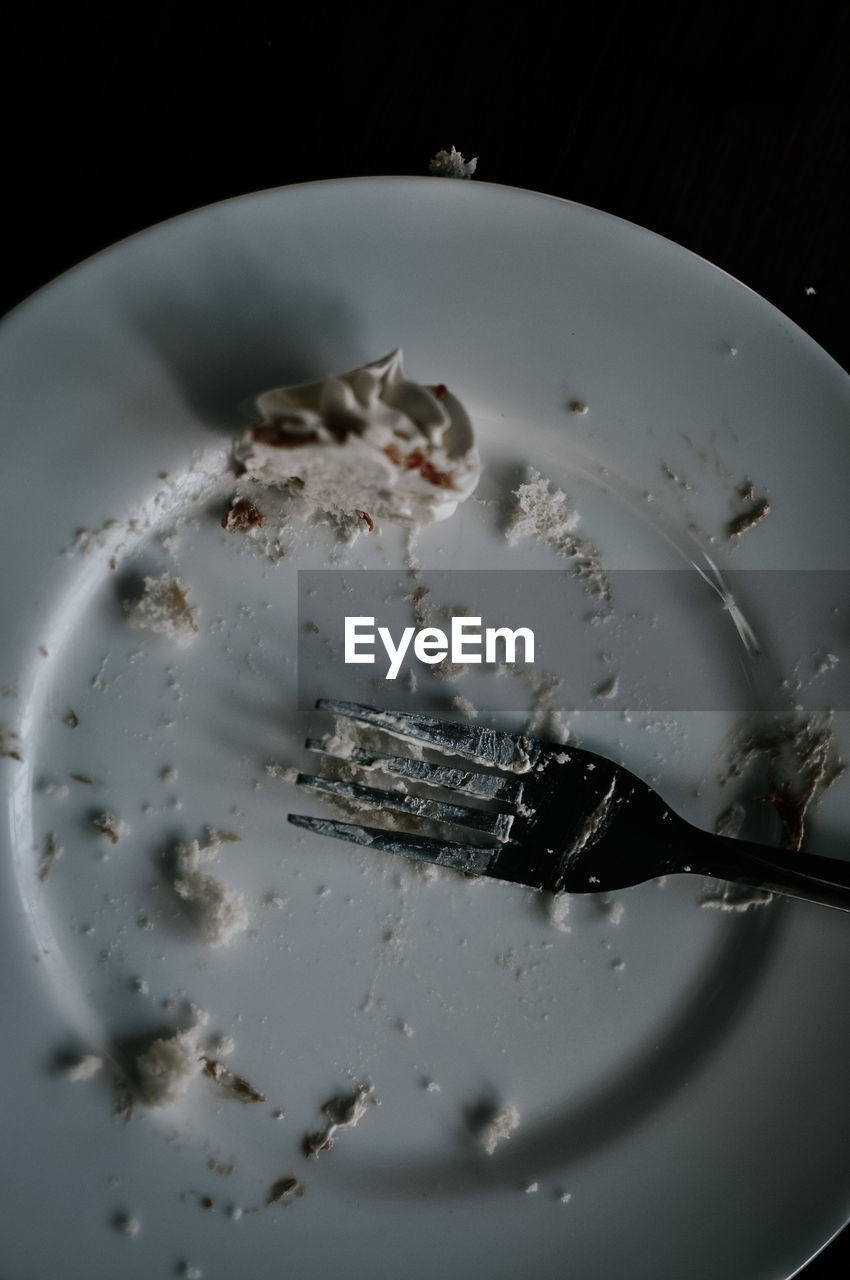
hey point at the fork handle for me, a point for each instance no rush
(797, 874)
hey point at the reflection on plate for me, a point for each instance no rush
(659, 1055)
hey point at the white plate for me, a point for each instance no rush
(680, 1073)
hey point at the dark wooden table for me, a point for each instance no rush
(725, 128)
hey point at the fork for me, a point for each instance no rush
(560, 818)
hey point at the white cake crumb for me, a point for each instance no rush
(451, 164)
(128, 1225)
(608, 689)
(565, 1197)
(431, 1086)
(616, 911)
(279, 771)
(111, 826)
(465, 707)
(58, 790)
(221, 911)
(169, 1065)
(498, 1127)
(169, 775)
(559, 909)
(547, 516)
(164, 609)
(532, 1188)
(188, 1272)
(724, 895)
(85, 1068)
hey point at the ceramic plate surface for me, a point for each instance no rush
(678, 1070)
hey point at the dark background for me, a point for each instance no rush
(723, 127)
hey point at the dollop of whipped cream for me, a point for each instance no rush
(369, 440)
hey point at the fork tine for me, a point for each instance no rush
(485, 786)
(484, 745)
(470, 859)
(496, 824)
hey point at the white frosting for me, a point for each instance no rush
(368, 441)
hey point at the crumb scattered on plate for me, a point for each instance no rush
(111, 826)
(342, 1112)
(498, 1127)
(164, 609)
(85, 1068)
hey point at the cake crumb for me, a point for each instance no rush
(451, 164)
(220, 910)
(58, 790)
(749, 518)
(546, 515)
(111, 826)
(341, 1113)
(127, 1225)
(85, 1068)
(9, 748)
(163, 608)
(616, 911)
(465, 707)
(284, 1191)
(559, 909)
(165, 1070)
(51, 852)
(498, 1127)
(608, 689)
(242, 514)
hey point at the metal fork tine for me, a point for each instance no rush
(496, 824)
(484, 745)
(485, 786)
(470, 859)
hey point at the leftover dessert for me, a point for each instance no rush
(365, 445)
